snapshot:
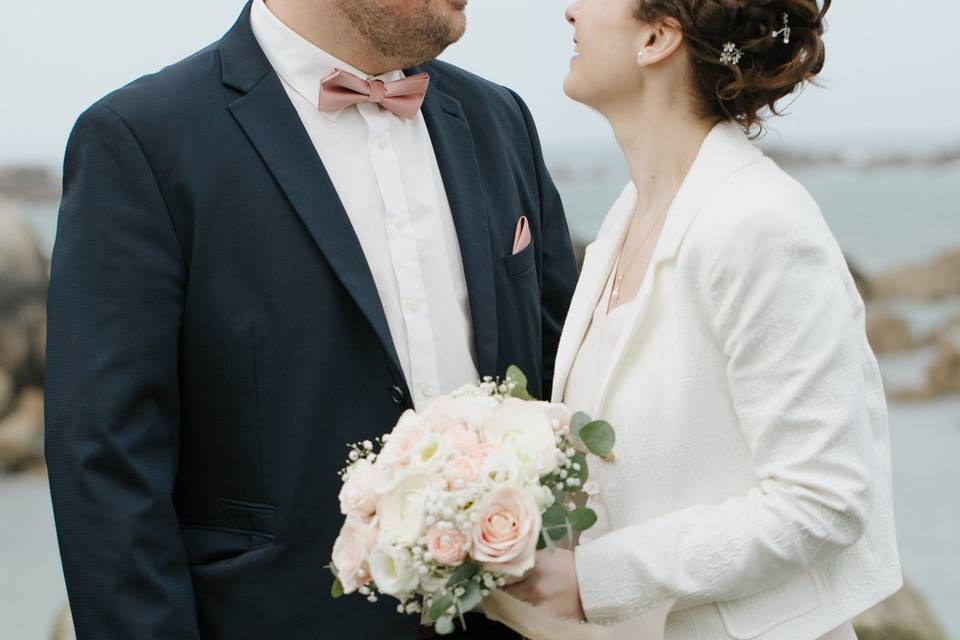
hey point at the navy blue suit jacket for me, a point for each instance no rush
(215, 339)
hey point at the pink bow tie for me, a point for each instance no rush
(402, 98)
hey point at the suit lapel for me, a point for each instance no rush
(456, 155)
(265, 114)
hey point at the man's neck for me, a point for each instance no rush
(321, 23)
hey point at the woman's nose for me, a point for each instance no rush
(569, 14)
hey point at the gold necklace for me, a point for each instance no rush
(621, 270)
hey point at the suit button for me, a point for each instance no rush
(397, 394)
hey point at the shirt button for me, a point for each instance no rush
(382, 142)
(426, 390)
(414, 305)
(396, 393)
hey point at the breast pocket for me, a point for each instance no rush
(519, 263)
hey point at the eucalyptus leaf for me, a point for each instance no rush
(463, 573)
(599, 438)
(576, 423)
(516, 375)
(440, 606)
(471, 597)
(337, 589)
(582, 518)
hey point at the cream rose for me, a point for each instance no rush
(392, 570)
(395, 457)
(358, 496)
(402, 511)
(502, 467)
(505, 537)
(448, 546)
(524, 429)
(351, 551)
(461, 471)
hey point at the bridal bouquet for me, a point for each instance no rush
(455, 501)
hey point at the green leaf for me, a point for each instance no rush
(516, 375)
(576, 423)
(599, 438)
(582, 518)
(555, 522)
(337, 589)
(471, 598)
(463, 573)
(440, 606)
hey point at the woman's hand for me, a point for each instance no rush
(551, 585)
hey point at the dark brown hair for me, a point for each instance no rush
(768, 69)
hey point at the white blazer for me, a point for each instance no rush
(752, 473)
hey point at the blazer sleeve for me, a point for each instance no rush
(774, 292)
(112, 405)
(558, 275)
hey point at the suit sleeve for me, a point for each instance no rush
(559, 270)
(781, 312)
(112, 403)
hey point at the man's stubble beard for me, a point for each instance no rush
(409, 39)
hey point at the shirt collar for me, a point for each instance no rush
(300, 63)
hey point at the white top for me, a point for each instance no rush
(751, 488)
(386, 174)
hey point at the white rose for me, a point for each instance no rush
(501, 467)
(403, 509)
(358, 496)
(430, 454)
(392, 570)
(541, 495)
(524, 429)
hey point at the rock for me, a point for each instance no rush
(23, 291)
(21, 432)
(886, 332)
(933, 281)
(63, 627)
(943, 376)
(903, 616)
(860, 279)
(6, 392)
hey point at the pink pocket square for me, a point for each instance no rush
(521, 239)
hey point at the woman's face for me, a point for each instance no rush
(607, 38)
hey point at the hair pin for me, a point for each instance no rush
(785, 30)
(731, 54)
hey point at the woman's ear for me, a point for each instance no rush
(657, 42)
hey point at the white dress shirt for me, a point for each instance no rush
(386, 174)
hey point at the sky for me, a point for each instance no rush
(892, 80)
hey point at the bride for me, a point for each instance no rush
(717, 327)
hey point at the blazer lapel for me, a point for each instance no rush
(272, 124)
(457, 158)
(724, 151)
(597, 262)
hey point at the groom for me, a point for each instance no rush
(258, 261)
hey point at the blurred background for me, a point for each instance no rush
(878, 145)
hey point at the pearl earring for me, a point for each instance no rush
(640, 56)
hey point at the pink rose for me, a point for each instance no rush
(505, 537)
(463, 438)
(358, 496)
(481, 451)
(409, 431)
(448, 546)
(460, 471)
(351, 550)
(443, 414)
